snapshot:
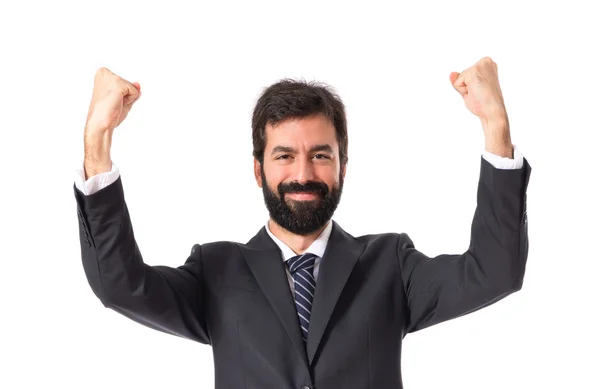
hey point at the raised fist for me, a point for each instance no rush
(112, 100)
(480, 89)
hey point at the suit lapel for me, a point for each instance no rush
(264, 259)
(340, 256)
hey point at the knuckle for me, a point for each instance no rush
(123, 85)
(104, 72)
(115, 82)
(99, 73)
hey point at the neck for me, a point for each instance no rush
(298, 243)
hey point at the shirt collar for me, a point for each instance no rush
(317, 247)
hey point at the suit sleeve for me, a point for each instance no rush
(163, 298)
(451, 285)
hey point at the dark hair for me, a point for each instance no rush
(292, 99)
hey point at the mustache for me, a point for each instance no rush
(318, 188)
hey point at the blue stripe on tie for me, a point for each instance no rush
(301, 268)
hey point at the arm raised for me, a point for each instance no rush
(451, 285)
(160, 297)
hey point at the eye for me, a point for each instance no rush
(283, 156)
(321, 156)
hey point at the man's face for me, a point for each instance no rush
(301, 177)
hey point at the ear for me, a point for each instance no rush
(257, 175)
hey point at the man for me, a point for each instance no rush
(304, 304)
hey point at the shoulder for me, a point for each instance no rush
(401, 239)
(217, 249)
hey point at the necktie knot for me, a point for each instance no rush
(304, 261)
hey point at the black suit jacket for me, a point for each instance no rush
(372, 290)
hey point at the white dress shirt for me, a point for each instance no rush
(317, 247)
(102, 180)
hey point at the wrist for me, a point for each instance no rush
(499, 144)
(497, 136)
(97, 144)
(97, 153)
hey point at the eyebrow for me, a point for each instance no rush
(287, 149)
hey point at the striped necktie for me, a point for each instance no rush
(301, 269)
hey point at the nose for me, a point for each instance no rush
(304, 170)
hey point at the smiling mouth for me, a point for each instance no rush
(303, 196)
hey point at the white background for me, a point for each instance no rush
(185, 155)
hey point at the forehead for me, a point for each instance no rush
(308, 130)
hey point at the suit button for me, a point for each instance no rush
(306, 387)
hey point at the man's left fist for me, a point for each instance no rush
(480, 88)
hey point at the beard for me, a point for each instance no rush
(302, 217)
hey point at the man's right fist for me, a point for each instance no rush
(112, 100)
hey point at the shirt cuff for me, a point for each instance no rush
(503, 162)
(97, 182)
